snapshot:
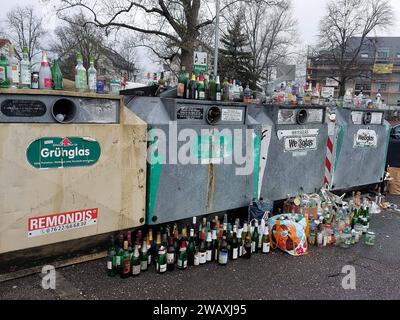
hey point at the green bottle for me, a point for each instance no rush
(182, 82)
(56, 75)
(126, 262)
(201, 94)
(161, 265)
(120, 254)
(4, 82)
(144, 260)
(135, 262)
(191, 248)
(182, 257)
(255, 239)
(112, 259)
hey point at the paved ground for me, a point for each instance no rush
(275, 276)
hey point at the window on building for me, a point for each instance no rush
(382, 54)
(364, 55)
(381, 86)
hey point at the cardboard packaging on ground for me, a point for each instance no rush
(394, 184)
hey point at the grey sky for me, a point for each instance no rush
(306, 12)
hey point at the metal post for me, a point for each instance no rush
(216, 38)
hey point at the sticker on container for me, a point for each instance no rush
(58, 153)
(297, 133)
(356, 117)
(376, 118)
(365, 139)
(300, 144)
(62, 222)
(190, 113)
(232, 115)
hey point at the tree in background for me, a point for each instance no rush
(271, 32)
(235, 58)
(172, 29)
(344, 32)
(76, 36)
(25, 28)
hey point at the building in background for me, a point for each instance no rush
(4, 44)
(379, 70)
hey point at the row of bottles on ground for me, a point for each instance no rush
(193, 245)
(204, 87)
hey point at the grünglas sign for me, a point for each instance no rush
(58, 153)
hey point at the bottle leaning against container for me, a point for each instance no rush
(25, 79)
(45, 77)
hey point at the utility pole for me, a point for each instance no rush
(216, 38)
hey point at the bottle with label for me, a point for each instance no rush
(25, 70)
(171, 255)
(234, 246)
(218, 90)
(192, 87)
(135, 262)
(201, 94)
(247, 244)
(182, 81)
(120, 253)
(126, 262)
(209, 247)
(247, 95)
(202, 249)
(13, 68)
(92, 76)
(182, 257)
(223, 253)
(80, 75)
(4, 82)
(266, 247)
(191, 248)
(45, 78)
(161, 265)
(214, 245)
(157, 246)
(240, 243)
(143, 257)
(111, 259)
(56, 75)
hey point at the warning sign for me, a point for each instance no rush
(60, 222)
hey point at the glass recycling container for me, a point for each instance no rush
(291, 143)
(72, 165)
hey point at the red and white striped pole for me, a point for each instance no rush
(329, 160)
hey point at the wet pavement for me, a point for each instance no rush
(264, 277)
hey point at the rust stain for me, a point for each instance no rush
(210, 187)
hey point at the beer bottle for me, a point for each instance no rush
(126, 262)
(161, 265)
(265, 241)
(223, 253)
(112, 259)
(171, 255)
(135, 262)
(182, 256)
(144, 261)
(202, 249)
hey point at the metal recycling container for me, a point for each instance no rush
(72, 166)
(291, 144)
(192, 163)
(357, 147)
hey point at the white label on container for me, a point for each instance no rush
(300, 144)
(356, 117)
(232, 115)
(297, 133)
(365, 139)
(376, 117)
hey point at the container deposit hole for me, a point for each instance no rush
(64, 110)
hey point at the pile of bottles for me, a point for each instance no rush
(205, 87)
(195, 245)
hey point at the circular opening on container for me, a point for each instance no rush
(64, 110)
(367, 118)
(302, 116)
(214, 115)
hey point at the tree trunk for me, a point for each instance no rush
(187, 59)
(342, 89)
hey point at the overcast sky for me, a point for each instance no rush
(306, 12)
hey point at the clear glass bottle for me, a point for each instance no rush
(25, 70)
(13, 68)
(92, 76)
(80, 75)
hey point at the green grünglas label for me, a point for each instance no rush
(58, 153)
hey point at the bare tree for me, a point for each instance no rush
(25, 29)
(344, 32)
(170, 28)
(271, 33)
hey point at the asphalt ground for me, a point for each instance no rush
(276, 276)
